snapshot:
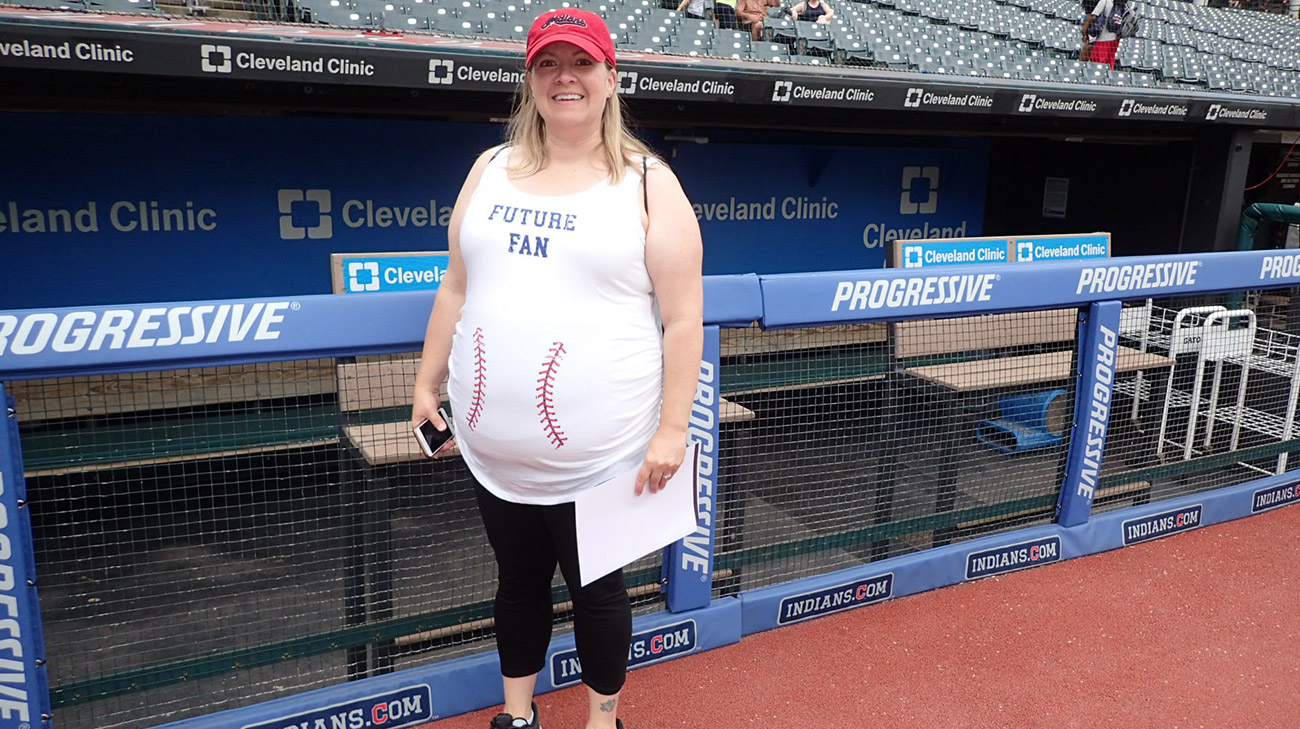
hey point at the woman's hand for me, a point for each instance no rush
(424, 406)
(663, 457)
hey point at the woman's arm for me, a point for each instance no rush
(830, 13)
(446, 310)
(674, 258)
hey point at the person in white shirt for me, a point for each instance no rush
(1102, 46)
(569, 325)
(692, 8)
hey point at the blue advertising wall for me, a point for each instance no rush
(791, 209)
(109, 209)
(259, 204)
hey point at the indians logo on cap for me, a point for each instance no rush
(563, 20)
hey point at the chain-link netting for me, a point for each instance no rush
(1223, 411)
(212, 538)
(875, 440)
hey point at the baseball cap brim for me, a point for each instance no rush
(577, 39)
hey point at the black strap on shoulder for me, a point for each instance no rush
(645, 185)
(500, 149)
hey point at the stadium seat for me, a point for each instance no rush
(850, 48)
(770, 51)
(665, 20)
(447, 23)
(696, 34)
(650, 40)
(694, 43)
(731, 44)
(814, 38)
(778, 30)
(337, 12)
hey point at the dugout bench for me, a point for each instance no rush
(995, 353)
(105, 422)
(953, 363)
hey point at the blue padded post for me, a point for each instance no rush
(1098, 348)
(26, 699)
(688, 563)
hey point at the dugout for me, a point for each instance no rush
(149, 477)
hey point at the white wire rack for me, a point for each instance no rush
(1221, 339)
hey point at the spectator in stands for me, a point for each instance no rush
(752, 13)
(813, 11)
(573, 252)
(1103, 43)
(724, 13)
(692, 8)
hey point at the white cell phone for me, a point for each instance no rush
(433, 441)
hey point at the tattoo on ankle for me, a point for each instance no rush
(608, 705)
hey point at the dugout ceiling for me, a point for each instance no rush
(46, 56)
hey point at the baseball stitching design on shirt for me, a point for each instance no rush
(480, 380)
(546, 395)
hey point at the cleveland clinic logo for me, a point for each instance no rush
(440, 70)
(913, 99)
(912, 257)
(363, 276)
(920, 191)
(1126, 107)
(324, 224)
(1024, 250)
(215, 59)
(1027, 103)
(1213, 113)
(782, 90)
(627, 82)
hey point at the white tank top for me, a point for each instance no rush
(556, 369)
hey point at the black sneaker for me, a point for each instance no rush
(506, 721)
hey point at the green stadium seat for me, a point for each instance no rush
(731, 44)
(764, 51)
(447, 23)
(622, 23)
(336, 12)
(779, 30)
(814, 38)
(696, 33)
(651, 41)
(696, 43)
(509, 29)
(850, 47)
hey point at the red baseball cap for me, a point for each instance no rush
(582, 28)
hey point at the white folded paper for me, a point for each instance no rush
(616, 527)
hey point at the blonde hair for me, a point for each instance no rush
(526, 134)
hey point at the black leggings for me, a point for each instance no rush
(528, 541)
